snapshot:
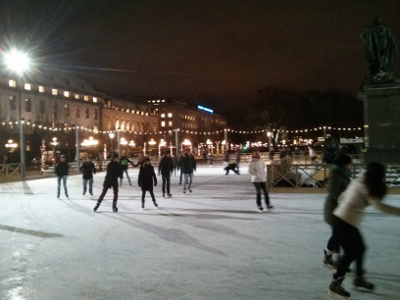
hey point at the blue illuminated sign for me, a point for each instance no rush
(205, 109)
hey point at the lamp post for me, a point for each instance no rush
(19, 63)
(112, 136)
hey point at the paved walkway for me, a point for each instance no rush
(211, 244)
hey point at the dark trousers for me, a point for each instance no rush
(261, 187)
(350, 239)
(333, 243)
(151, 194)
(166, 180)
(104, 192)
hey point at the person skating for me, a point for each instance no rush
(165, 168)
(368, 189)
(259, 178)
(88, 169)
(187, 164)
(231, 167)
(338, 180)
(111, 181)
(124, 161)
(61, 171)
(145, 180)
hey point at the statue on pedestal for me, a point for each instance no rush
(381, 49)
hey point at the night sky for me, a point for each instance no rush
(217, 53)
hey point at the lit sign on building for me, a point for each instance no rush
(205, 109)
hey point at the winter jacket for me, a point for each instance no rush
(338, 180)
(88, 169)
(257, 170)
(146, 177)
(166, 165)
(187, 164)
(124, 163)
(62, 169)
(355, 199)
(113, 172)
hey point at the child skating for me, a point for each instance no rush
(147, 177)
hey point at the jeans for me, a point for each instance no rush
(166, 180)
(85, 182)
(127, 176)
(104, 192)
(261, 187)
(188, 179)
(151, 194)
(64, 181)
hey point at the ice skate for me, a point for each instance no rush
(270, 206)
(260, 208)
(163, 195)
(360, 282)
(96, 207)
(115, 208)
(169, 195)
(142, 205)
(155, 203)
(190, 190)
(336, 288)
(328, 260)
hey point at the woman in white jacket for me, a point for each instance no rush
(368, 189)
(259, 178)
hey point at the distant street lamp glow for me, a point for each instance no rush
(16, 61)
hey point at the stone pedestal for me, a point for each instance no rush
(382, 122)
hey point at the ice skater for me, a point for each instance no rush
(368, 189)
(145, 180)
(259, 178)
(61, 171)
(231, 167)
(124, 161)
(111, 181)
(187, 164)
(338, 180)
(165, 168)
(88, 169)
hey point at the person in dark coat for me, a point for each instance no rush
(111, 181)
(187, 164)
(61, 171)
(124, 161)
(145, 180)
(88, 169)
(165, 168)
(338, 180)
(231, 167)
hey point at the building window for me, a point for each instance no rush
(27, 86)
(41, 89)
(95, 114)
(169, 115)
(87, 113)
(28, 105)
(13, 103)
(66, 94)
(95, 99)
(169, 123)
(12, 83)
(77, 112)
(42, 107)
(162, 123)
(77, 96)
(66, 110)
(86, 98)
(162, 115)
(54, 92)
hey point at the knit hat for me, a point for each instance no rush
(115, 155)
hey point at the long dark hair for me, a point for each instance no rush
(375, 179)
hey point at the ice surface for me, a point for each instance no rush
(211, 244)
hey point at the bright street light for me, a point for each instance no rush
(16, 61)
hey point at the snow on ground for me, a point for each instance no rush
(211, 244)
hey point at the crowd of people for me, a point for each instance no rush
(343, 209)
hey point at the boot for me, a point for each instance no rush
(328, 260)
(336, 288)
(360, 282)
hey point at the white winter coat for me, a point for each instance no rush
(257, 170)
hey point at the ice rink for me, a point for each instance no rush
(211, 244)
